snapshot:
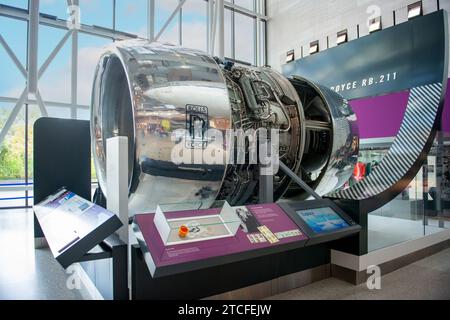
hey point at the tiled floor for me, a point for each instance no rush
(26, 273)
(428, 278)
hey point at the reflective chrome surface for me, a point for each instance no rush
(147, 91)
(332, 138)
(142, 90)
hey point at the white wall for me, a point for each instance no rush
(293, 24)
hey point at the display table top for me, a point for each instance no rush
(265, 229)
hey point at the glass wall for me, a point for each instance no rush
(194, 24)
(417, 210)
(13, 57)
(245, 41)
(67, 61)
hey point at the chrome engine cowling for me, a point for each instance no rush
(331, 142)
(149, 91)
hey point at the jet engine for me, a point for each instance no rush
(151, 92)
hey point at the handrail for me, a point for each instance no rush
(21, 187)
(16, 184)
(16, 198)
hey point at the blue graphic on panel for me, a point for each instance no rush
(322, 219)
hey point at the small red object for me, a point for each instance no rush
(360, 171)
(183, 231)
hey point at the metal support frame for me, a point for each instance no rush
(53, 54)
(26, 154)
(13, 57)
(299, 181)
(12, 116)
(209, 27)
(33, 33)
(265, 188)
(47, 103)
(258, 25)
(174, 13)
(260, 35)
(119, 251)
(266, 185)
(74, 71)
(180, 26)
(220, 14)
(216, 27)
(151, 20)
(254, 14)
(41, 104)
(213, 28)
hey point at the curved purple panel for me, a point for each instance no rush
(446, 114)
(387, 110)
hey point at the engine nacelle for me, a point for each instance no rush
(149, 92)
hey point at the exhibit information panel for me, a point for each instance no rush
(72, 225)
(261, 227)
(321, 220)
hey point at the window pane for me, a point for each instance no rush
(262, 8)
(55, 83)
(164, 9)
(55, 112)
(228, 32)
(247, 4)
(89, 50)
(23, 4)
(194, 29)
(83, 114)
(56, 8)
(131, 17)
(12, 157)
(244, 38)
(98, 12)
(13, 146)
(15, 34)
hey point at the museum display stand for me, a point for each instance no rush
(62, 159)
(266, 244)
(73, 226)
(180, 251)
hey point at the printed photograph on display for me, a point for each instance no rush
(249, 224)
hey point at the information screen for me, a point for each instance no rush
(322, 219)
(66, 218)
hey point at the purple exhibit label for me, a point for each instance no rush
(269, 215)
